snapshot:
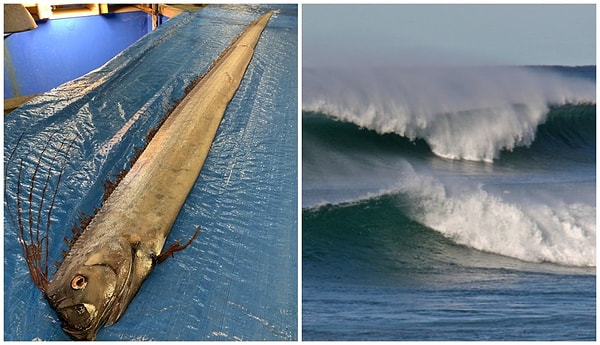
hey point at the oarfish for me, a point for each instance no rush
(107, 264)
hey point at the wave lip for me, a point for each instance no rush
(462, 113)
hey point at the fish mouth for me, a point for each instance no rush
(89, 334)
(82, 324)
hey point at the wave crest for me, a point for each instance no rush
(563, 234)
(462, 113)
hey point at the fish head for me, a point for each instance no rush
(87, 289)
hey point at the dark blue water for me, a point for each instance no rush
(449, 204)
(238, 280)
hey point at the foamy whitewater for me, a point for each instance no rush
(463, 114)
(449, 203)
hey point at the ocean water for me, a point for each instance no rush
(449, 204)
(238, 279)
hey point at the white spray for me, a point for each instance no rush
(559, 232)
(463, 113)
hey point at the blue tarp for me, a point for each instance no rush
(238, 280)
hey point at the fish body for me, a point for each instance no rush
(107, 264)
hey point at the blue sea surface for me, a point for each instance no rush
(486, 305)
(238, 279)
(449, 204)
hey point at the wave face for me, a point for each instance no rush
(502, 163)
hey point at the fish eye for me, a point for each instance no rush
(78, 282)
